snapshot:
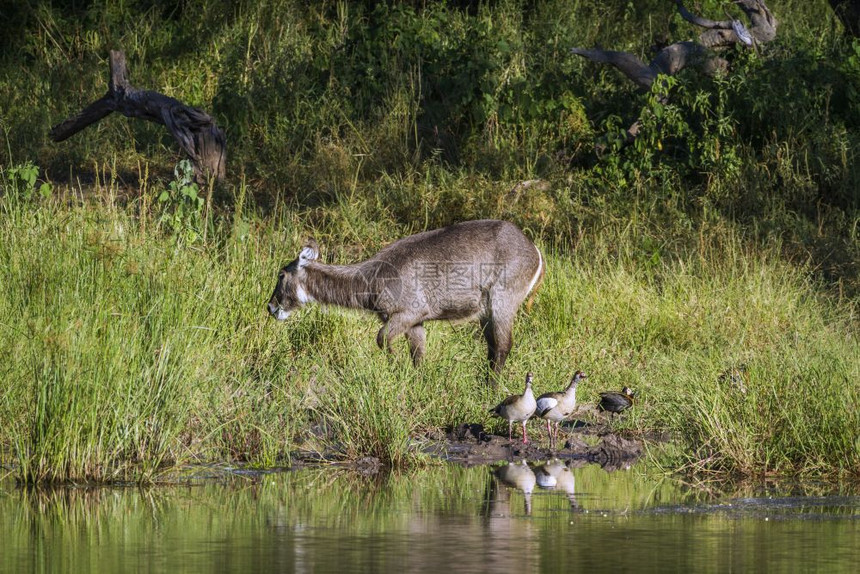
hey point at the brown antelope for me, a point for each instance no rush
(480, 270)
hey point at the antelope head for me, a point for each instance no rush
(290, 291)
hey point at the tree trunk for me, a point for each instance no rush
(193, 129)
(703, 54)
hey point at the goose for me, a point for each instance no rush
(517, 408)
(555, 407)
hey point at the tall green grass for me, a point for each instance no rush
(728, 235)
(134, 351)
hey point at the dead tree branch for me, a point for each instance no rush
(669, 61)
(702, 54)
(194, 130)
(722, 33)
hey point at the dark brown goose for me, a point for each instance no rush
(615, 402)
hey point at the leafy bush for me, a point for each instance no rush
(21, 182)
(182, 204)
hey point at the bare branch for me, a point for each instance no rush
(675, 57)
(762, 23)
(118, 72)
(721, 33)
(702, 22)
(718, 38)
(680, 55)
(741, 32)
(627, 63)
(89, 115)
(194, 130)
(670, 60)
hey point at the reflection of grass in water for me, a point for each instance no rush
(328, 517)
(335, 496)
(133, 352)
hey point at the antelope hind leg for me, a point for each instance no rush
(416, 337)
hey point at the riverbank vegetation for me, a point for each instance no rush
(724, 238)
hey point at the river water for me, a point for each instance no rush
(546, 517)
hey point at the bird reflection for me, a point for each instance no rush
(510, 544)
(556, 475)
(519, 476)
(546, 479)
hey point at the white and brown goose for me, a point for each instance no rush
(518, 408)
(556, 407)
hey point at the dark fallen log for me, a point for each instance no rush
(669, 61)
(722, 33)
(194, 130)
(703, 54)
(680, 55)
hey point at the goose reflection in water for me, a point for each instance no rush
(556, 475)
(512, 544)
(520, 476)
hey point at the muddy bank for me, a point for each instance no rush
(588, 439)
(468, 444)
(472, 444)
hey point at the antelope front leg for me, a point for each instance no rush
(395, 326)
(383, 339)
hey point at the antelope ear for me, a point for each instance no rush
(308, 253)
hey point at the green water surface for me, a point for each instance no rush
(536, 518)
